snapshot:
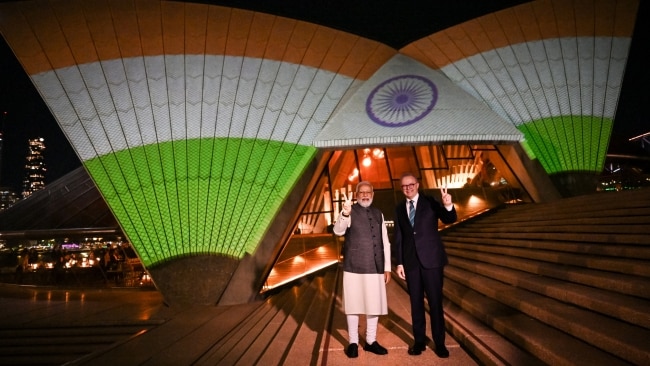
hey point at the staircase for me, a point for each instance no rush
(561, 283)
(56, 345)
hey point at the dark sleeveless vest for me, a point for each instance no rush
(363, 251)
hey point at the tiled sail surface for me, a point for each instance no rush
(406, 102)
(194, 121)
(553, 68)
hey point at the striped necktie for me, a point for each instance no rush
(411, 213)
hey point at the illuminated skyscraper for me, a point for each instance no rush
(34, 167)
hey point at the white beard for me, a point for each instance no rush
(365, 203)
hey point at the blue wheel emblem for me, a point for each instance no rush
(401, 100)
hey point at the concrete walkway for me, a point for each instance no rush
(91, 320)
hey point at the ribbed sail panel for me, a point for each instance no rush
(194, 121)
(553, 68)
(188, 173)
(174, 207)
(406, 102)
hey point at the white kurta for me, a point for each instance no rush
(364, 294)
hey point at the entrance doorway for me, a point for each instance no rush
(477, 176)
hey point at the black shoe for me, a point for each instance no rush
(417, 349)
(375, 348)
(352, 351)
(441, 351)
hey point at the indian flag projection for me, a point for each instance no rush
(553, 68)
(194, 121)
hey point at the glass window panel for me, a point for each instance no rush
(345, 174)
(401, 160)
(430, 178)
(431, 157)
(317, 214)
(373, 168)
(458, 151)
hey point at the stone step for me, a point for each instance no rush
(58, 345)
(627, 266)
(589, 209)
(600, 249)
(622, 217)
(484, 343)
(626, 308)
(615, 282)
(581, 237)
(636, 212)
(590, 205)
(566, 226)
(547, 343)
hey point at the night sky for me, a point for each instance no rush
(25, 115)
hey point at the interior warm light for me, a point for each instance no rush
(474, 201)
(366, 158)
(367, 161)
(378, 153)
(354, 175)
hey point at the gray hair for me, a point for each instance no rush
(365, 183)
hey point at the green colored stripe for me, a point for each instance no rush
(201, 196)
(568, 143)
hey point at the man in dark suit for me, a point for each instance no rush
(420, 258)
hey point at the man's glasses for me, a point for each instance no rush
(409, 186)
(364, 192)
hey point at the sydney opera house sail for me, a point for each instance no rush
(554, 69)
(197, 122)
(194, 121)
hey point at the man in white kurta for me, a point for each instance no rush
(366, 267)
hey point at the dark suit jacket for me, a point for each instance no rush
(421, 244)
